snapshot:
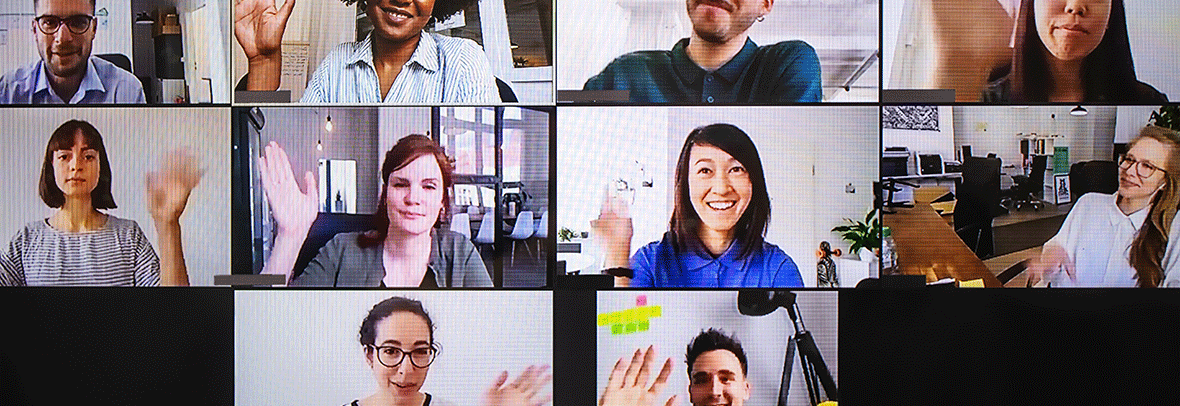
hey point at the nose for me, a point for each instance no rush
(1075, 7)
(722, 184)
(405, 367)
(716, 388)
(414, 195)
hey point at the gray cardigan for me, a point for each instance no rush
(342, 262)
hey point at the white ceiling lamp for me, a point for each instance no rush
(1078, 111)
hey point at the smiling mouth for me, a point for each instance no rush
(723, 205)
(397, 15)
(412, 214)
(714, 3)
(405, 385)
(1076, 29)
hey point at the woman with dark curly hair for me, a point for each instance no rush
(395, 63)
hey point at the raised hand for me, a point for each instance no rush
(1053, 259)
(614, 230)
(522, 391)
(168, 188)
(627, 385)
(292, 209)
(259, 27)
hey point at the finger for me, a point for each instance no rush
(616, 376)
(263, 173)
(633, 368)
(672, 401)
(543, 400)
(503, 377)
(662, 378)
(523, 378)
(313, 190)
(645, 370)
(539, 380)
(285, 10)
(1069, 268)
(605, 210)
(284, 163)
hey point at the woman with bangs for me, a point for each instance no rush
(718, 226)
(405, 248)
(81, 246)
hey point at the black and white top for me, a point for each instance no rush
(118, 254)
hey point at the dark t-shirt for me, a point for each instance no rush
(999, 90)
(785, 72)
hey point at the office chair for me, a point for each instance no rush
(978, 203)
(506, 93)
(461, 223)
(1093, 176)
(487, 231)
(326, 226)
(522, 232)
(1025, 192)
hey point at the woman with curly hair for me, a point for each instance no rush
(396, 63)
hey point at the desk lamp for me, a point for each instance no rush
(815, 372)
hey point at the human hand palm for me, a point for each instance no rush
(521, 392)
(1051, 260)
(627, 385)
(259, 26)
(292, 209)
(614, 223)
(169, 188)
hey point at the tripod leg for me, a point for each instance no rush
(784, 386)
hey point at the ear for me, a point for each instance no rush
(768, 5)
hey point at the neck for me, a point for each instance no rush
(1065, 80)
(406, 256)
(712, 55)
(77, 215)
(715, 241)
(393, 53)
(1128, 205)
(65, 87)
(384, 398)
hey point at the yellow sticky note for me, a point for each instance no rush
(974, 283)
(604, 319)
(655, 311)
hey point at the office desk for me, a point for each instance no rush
(927, 245)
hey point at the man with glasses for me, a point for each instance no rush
(67, 73)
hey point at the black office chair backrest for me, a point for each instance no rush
(978, 201)
(326, 226)
(506, 93)
(1093, 176)
(1036, 176)
(119, 60)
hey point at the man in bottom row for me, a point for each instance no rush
(716, 374)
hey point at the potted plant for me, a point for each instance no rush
(1166, 117)
(864, 237)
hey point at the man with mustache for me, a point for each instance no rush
(718, 63)
(67, 73)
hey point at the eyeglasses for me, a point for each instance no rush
(391, 356)
(1143, 169)
(50, 24)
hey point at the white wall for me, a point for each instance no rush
(686, 314)
(293, 353)
(137, 141)
(1130, 119)
(321, 23)
(809, 153)
(994, 129)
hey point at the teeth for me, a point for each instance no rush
(720, 205)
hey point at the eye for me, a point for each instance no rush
(421, 351)
(704, 171)
(430, 186)
(391, 350)
(400, 184)
(737, 169)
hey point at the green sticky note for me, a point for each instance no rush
(616, 329)
(643, 325)
(631, 327)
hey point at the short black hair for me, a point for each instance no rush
(63, 139)
(713, 339)
(443, 9)
(750, 229)
(368, 333)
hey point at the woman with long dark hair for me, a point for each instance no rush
(1070, 51)
(405, 247)
(1128, 238)
(716, 236)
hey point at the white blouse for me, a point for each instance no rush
(1097, 236)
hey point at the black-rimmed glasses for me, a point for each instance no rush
(1143, 169)
(391, 356)
(50, 24)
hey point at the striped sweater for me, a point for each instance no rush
(118, 254)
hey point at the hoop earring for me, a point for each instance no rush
(761, 18)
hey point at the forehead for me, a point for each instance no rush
(708, 152)
(1149, 149)
(78, 140)
(403, 327)
(63, 7)
(425, 166)
(716, 361)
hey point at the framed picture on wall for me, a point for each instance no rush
(1061, 188)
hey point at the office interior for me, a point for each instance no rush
(844, 34)
(172, 46)
(500, 199)
(516, 36)
(820, 165)
(971, 191)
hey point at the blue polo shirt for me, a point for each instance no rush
(786, 72)
(658, 265)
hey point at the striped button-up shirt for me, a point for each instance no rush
(441, 70)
